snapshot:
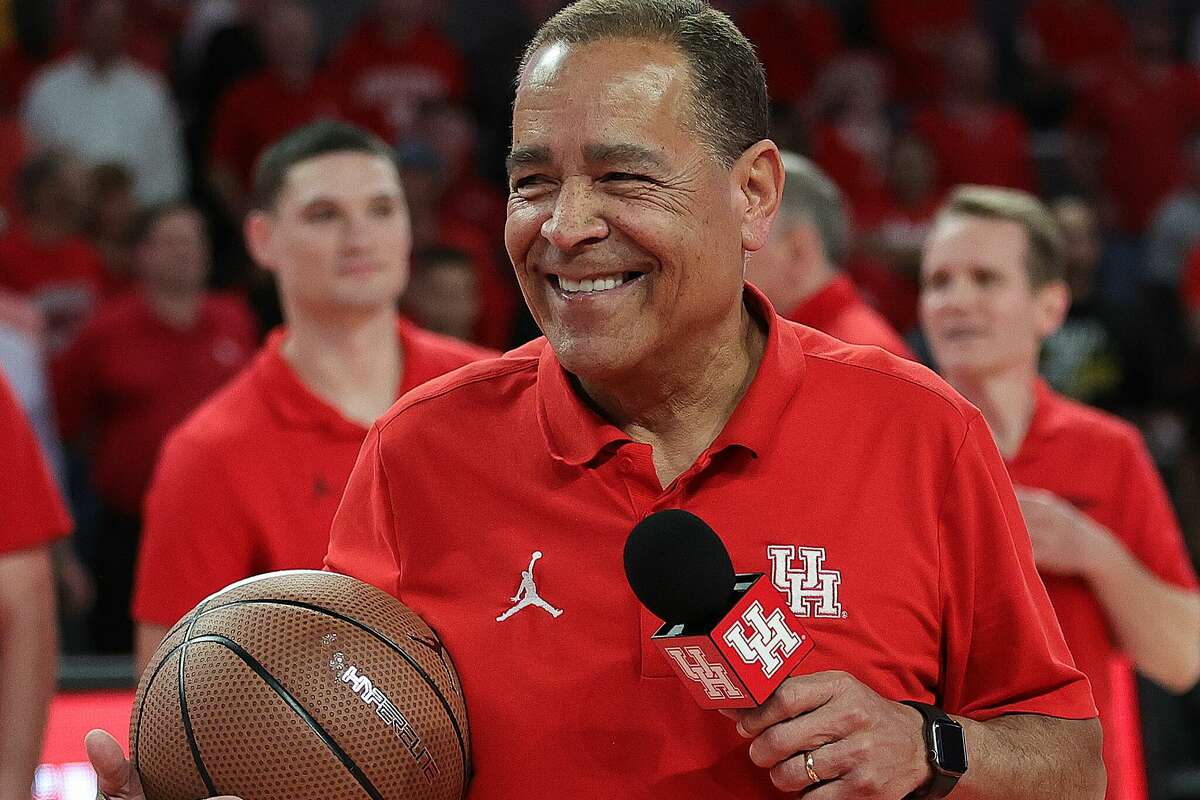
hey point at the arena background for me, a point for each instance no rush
(1092, 100)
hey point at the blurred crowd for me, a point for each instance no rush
(129, 130)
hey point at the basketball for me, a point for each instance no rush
(300, 684)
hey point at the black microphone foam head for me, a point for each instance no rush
(679, 568)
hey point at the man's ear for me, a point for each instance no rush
(1053, 302)
(759, 176)
(258, 230)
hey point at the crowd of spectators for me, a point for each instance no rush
(129, 130)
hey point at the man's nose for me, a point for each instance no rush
(575, 220)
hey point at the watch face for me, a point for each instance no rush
(950, 747)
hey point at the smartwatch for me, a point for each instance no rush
(946, 748)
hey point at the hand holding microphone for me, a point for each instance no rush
(734, 641)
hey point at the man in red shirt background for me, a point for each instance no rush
(140, 365)
(798, 270)
(1105, 538)
(273, 449)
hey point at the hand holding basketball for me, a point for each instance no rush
(115, 776)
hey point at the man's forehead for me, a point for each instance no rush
(341, 173)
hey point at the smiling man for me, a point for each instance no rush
(640, 178)
(1105, 538)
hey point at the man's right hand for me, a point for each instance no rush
(115, 776)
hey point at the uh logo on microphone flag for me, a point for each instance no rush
(744, 657)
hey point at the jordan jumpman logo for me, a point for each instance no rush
(527, 594)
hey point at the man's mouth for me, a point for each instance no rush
(591, 285)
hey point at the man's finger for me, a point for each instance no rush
(800, 734)
(114, 775)
(797, 695)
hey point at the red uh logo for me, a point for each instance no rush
(713, 677)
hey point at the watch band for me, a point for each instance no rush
(943, 781)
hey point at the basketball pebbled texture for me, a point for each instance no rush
(301, 685)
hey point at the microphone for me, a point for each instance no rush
(731, 638)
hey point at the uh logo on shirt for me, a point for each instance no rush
(799, 572)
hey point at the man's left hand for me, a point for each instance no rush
(862, 746)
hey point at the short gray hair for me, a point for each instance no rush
(728, 86)
(810, 194)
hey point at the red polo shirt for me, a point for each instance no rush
(845, 464)
(1122, 491)
(250, 482)
(839, 310)
(30, 507)
(130, 377)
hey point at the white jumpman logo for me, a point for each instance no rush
(527, 594)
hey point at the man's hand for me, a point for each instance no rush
(862, 746)
(1065, 540)
(115, 776)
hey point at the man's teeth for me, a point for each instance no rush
(590, 284)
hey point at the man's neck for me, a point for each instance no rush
(679, 412)
(179, 309)
(1007, 400)
(353, 362)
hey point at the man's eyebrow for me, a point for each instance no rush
(624, 153)
(526, 156)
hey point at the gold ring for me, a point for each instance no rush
(808, 767)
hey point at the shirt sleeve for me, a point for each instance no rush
(31, 511)
(362, 542)
(1003, 649)
(196, 536)
(1149, 527)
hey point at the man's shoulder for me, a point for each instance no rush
(445, 351)
(1088, 426)
(491, 388)
(853, 370)
(234, 416)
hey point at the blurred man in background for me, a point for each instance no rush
(44, 257)
(103, 106)
(799, 272)
(137, 369)
(274, 448)
(1105, 537)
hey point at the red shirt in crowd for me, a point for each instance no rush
(914, 33)
(28, 266)
(130, 377)
(839, 310)
(1143, 116)
(1077, 36)
(387, 83)
(1122, 492)
(795, 40)
(30, 505)
(869, 492)
(250, 482)
(988, 145)
(262, 109)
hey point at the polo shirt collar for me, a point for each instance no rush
(293, 402)
(1046, 421)
(575, 433)
(823, 307)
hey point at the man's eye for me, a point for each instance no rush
(527, 182)
(624, 177)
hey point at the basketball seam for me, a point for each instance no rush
(287, 697)
(193, 745)
(467, 771)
